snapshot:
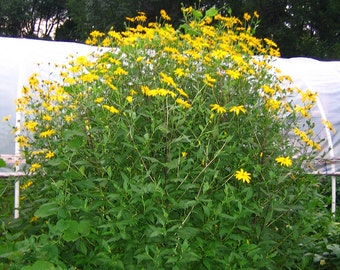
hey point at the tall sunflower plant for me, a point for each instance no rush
(169, 149)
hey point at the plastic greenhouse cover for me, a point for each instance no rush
(322, 77)
(19, 59)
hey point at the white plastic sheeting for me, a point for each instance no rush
(324, 78)
(19, 58)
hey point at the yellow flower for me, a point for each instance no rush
(88, 77)
(219, 54)
(26, 185)
(99, 100)
(164, 15)
(47, 117)
(120, 71)
(106, 42)
(284, 161)
(268, 90)
(47, 133)
(96, 34)
(270, 42)
(238, 109)
(38, 152)
(129, 19)
(24, 90)
(273, 104)
(111, 86)
(133, 92)
(30, 125)
(33, 219)
(34, 167)
(22, 141)
(33, 81)
(302, 111)
(183, 103)
(182, 93)
(129, 99)
(70, 80)
(246, 16)
(179, 72)
(234, 74)
(328, 125)
(82, 61)
(49, 155)
(111, 109)
(309, 96)
(256, 15)
(208, 20)
(242, 175)
(141, 17)
(184, 154)
(6, 118)
(139, 58)
(167, 79)
(145, 90)
(186, 10)
(317, 146)
(218, 108)
(208, 80)
(162, 92)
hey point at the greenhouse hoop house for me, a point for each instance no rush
(20, 58)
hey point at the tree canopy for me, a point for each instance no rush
(299, 27)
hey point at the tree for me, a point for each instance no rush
(34, 18)
(300, 27)
(87, 15)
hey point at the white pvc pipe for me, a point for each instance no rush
(16, 197)
(16, 146)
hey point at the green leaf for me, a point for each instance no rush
(71, 234)
(211, 12)
(47, 209)
(82, 247)
(155, 231)
(62, 225)
(84, 228)
(69, 133)
(335, 248)
(40, 265)
(188, 232)
(181, 139)
(76, 142)
(106, 246)
(185, 27)
(55, 162)
(2, 163)
(143, 257)
(197, 14)
(109, 171)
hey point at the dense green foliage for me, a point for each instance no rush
(169, 150)
(300, 27)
